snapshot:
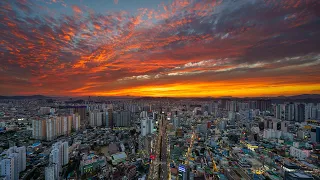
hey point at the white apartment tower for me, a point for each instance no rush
(289, 112)
(21, 151)
(51, 172)
(146, 126)
(96, 118)
(59, 155)
(7, 168)
(76, 122)
(12, 162)
(54, 158)
(39, 129)
(65, 153)
(50, 129)
(65, 125)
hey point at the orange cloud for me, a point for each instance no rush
(183, 48)
(76, 9)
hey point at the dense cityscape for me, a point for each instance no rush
(159, 138)
(159, 89)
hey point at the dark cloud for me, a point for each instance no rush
(88, 52)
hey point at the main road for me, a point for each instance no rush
(163, 155)
(159, 166)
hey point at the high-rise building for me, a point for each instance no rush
(208, 108)
(243, 106)
(314, 111)
(176, 122)
(308, 111)
(51, 172)
(64, 125)
(144, 127)
(70, 117)
(289, 112)
(147, 125)
(280, 111)
(110, 118)
(215, 109)
(106, 119)
(50, 129)
(54, 126)
(7, 168)
(96, 118)
(21, 151)
(143, 114)
(12, 162)
(134, 108)
(59, 156)
(16, 167)
(58, 124)
(65, 153)
(318, 134)
(223, 103)
(264, 105)
(315, 134)
(253, 105)
(299, 113)
(76, 122)
(81, 110)
(232, 106)
(54, 158)
(99, 118)
(155, 116)
(146, 108)
(92, 120)
(122, 118)
(232, 116)
(39, 129)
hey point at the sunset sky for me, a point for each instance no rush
(178, 48)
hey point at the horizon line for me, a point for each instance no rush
(180, 97)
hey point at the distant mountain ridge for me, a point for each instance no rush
(25, 97)
(304, 96)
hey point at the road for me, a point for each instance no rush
(159, 166)
(163, 154)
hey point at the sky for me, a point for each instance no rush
(171, 48)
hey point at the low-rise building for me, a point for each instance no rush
(91, 162)
(119, 157)
(299, 153)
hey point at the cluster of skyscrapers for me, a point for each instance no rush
(58, 157)
(12, 162)
(234, 105)
(51, 127)
(298, 112)
(109, 118)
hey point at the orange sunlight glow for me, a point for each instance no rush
(211, 89)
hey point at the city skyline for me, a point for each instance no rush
(169, 48)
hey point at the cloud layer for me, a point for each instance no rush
(181, 48)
